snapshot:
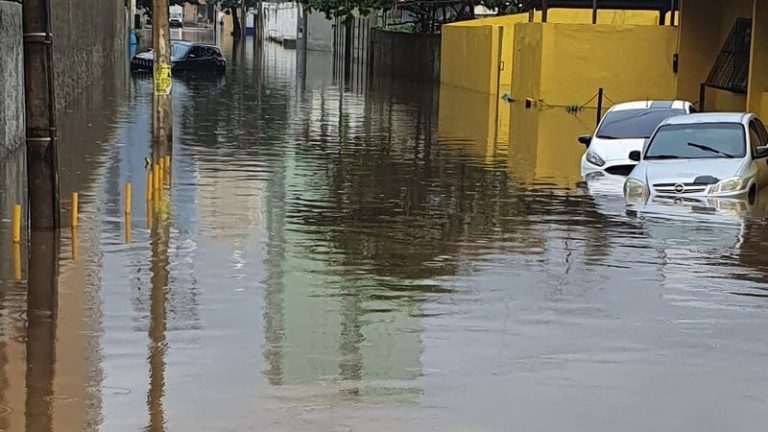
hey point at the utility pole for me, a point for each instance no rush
(42, 156)
(162, 127)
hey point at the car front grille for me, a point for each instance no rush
(679, 188)
(141, 64)
(620, 170)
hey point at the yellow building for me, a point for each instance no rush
(714, 53)
(536, 74)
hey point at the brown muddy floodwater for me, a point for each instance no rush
(335, 258)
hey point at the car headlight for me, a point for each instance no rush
(594, 159)
(635, 191)
(732, 184)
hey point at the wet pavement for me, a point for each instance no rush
(330, 258)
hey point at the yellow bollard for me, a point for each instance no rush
(156, 174)
(149, 185)
(127, 228)
(75, 205)
(127, 198)
(17, 223)
(17, 262)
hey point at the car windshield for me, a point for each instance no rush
(698, 141)
(634, 123)
(179, 50)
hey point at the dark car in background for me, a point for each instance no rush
(185, 57)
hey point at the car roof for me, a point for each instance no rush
(188, 43)
(650, 104)
(700, 118)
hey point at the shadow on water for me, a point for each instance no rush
(331, 257)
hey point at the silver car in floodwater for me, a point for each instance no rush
(723, 155)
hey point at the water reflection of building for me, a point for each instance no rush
(543, 146)
(328, 317)
(322, 323)
(483, 129)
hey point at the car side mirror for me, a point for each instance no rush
(634, 156)
(585, 139)
(761, 152)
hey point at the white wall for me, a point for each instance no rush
(281, 20)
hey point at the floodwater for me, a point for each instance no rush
(390, 256)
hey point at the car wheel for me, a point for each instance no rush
(752, 195)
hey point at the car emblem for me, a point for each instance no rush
(679, 188)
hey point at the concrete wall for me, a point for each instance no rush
(11, 78)
(281, 20)
(89, 35)
(319, 32)
(577, 60)
(405, 55)
(470, 54)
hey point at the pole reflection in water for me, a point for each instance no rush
(42, 304)
(17, 262)
(157, 324)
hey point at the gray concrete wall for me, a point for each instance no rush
(89, 37)
(319, 32)
(405, 55)
(11, 78)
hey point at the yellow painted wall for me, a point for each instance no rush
(468, 58)
(528, 61)
(629, 62)
(604, 16)
(466, 45)
(758, 68)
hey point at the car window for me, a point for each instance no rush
(178, 50)
(761, 131)
(197, 52)
(635, 123)
(755, 137)
(698, 141)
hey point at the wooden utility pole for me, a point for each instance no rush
(162, 126)
(42, 156)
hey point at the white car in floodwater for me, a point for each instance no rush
(622, 130)
(719, 155)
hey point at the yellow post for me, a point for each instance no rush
(75, 206)
(127, 199)
(149, 185)
(17, 262)
(17, 223)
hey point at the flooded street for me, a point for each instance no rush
(369, 257)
